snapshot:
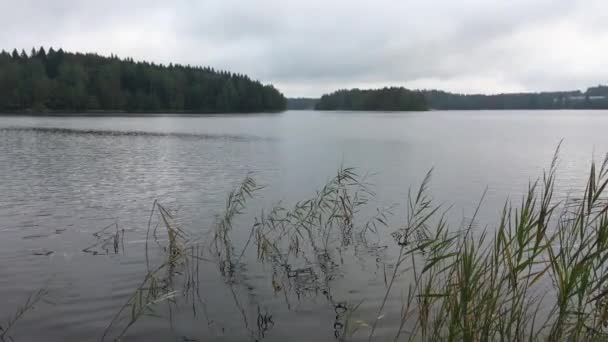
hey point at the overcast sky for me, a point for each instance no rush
(310, 47)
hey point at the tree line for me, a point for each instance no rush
(61, 81)
(393, 98)
(593, 98)
(301, 103)
(401, 99)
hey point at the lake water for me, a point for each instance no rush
(64, 178)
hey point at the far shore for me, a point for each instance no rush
(101, 113)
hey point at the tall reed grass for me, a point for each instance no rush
(539, 273)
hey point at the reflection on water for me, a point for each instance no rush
(26, 130)
(300, 251)
(64, 180)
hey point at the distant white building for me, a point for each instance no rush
(577, 98)
(584, 97)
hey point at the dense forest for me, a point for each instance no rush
(59, 81)
(373, 99)
(301, 103)
(403, 99)
(593, 98)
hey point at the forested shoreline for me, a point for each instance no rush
(62, 82)
(59, 82)
(593, 98)
(301, 103)
(401, 99)
(389, 99)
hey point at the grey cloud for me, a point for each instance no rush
(311, 47)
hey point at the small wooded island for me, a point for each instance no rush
(390, 99)
(58, 81)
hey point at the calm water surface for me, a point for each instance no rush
(64, 178)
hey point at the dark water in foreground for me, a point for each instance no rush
(63, 179)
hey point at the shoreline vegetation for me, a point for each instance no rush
(302, 103)
(385, 99)
(402, 99)
(116, 113)
(64, 82)
(538, 273)
(593, 98)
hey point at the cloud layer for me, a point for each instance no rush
(310, 47)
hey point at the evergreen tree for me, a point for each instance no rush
(41, 53)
